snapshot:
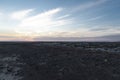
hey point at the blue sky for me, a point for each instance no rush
(33, 20)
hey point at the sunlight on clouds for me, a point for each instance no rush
(42, 22)
(15, 37)
(18, 15)
(57, 20)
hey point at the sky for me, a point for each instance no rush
(59, 20)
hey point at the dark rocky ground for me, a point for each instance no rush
(59, 61)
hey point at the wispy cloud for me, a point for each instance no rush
(88, 5)
(95, 18)
(64, 16)
(111, 29)
(18, 15)
(55, 24)
(43, 21)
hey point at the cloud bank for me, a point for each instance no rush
(109, 38)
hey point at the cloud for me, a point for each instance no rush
(53, 25)
(18, 15)
(8, 38)
(14, 38)
(95, 18)
(45, 21)
(1, 13)
(111, 38)
(65, 16)
(111, 29)
(84, 33)
(88, 5)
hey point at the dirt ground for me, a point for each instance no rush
(58, 61)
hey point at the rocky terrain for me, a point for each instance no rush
(59, 61)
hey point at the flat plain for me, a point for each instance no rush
(59, 60)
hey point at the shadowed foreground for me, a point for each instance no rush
(59, 61)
